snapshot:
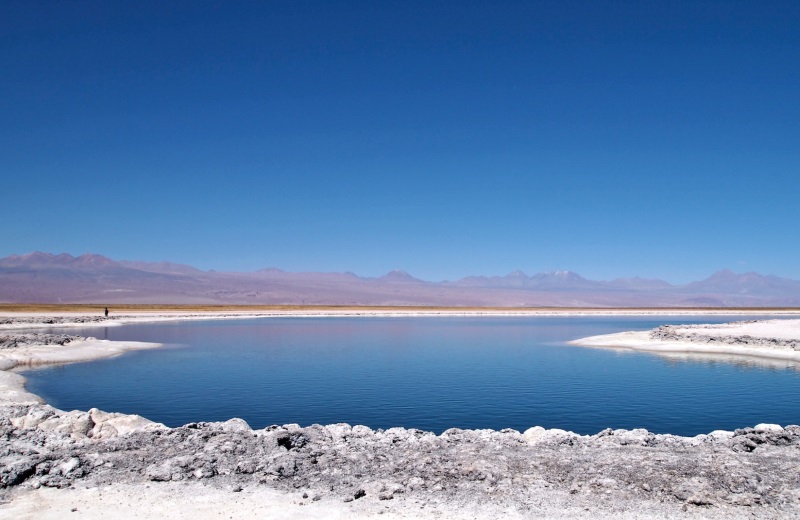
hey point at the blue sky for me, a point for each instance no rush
(658, 139)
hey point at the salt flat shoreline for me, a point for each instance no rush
(53, 461)
(764, 339)
(86, 318)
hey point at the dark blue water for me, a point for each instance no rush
(427, 373)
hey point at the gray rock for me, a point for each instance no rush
(751, 469)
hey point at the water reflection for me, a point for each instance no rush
(739, 361)
(428, 373)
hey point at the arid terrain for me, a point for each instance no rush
(98, 464)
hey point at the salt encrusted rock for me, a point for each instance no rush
(678, 333)
(111, 424)
(625, 466)
(74, 423)
(160, 472)
(532, 435)
(539, 435)
(12, 340)
(768, 428)
(339, 431)
(34, 417)
(49, 320)
(236, 425)
(15, 471)
(636, 437)
(95, 424)
(65, 468)
(720, 435)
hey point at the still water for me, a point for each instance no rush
(422, 372)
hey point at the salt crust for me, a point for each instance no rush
(752, 340)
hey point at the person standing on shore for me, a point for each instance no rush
(106, 312)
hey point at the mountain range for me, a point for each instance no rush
(47, 278)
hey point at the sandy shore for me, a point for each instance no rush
(93, 464)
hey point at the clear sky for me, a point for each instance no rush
(612, 138)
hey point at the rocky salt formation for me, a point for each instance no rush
(749, 470)
(20, 350)
(12, 340)
(39, 321)
(767, 342)
(705, 334)
(26, 349)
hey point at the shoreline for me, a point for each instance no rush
(25, 319)
(12, 384)
(695, 343)
(12, 388)
(772, 340)
(7, 309)
(56, 461)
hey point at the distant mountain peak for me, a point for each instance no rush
(727, 275)
(160, 267)
(751, 284)
(65, 260)
(399, 276)
(38, 255)
(563, 275)
(45, 277)
(92, 260)
(723, 273)
(271, 270)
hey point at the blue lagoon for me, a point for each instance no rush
(431, 373)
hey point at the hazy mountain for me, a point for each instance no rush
(160, 267)
(728, 282)
(733, 289)
(554, 281)
(63, 261)
(44, 277)
(273, 273)
(398, 277)
(563, 281)
(514, 279)
(639, 284)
